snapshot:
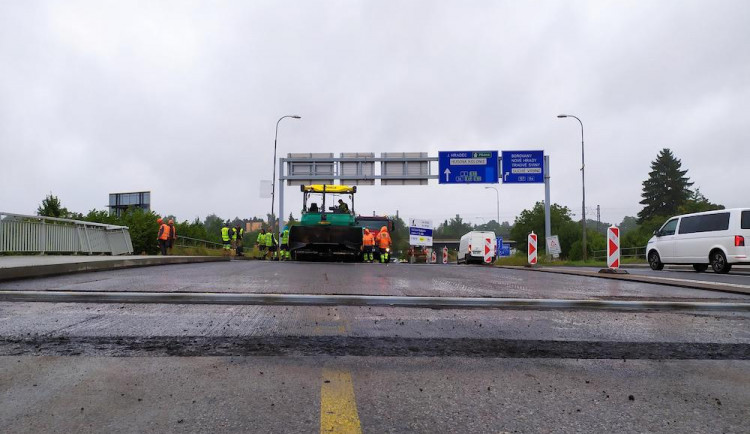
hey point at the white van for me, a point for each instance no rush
(716, 238)
(477, 246)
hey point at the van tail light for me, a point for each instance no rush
(739, 241)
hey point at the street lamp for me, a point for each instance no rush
(583, 183)
(497, 193)
(273, 182)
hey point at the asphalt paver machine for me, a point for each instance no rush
(326, 231)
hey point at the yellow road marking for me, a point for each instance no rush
(338, 408)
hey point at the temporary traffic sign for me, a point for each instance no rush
(523, 167)
(467, 167)
(420, 232)
(553, 246)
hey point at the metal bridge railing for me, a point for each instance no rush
(34, 234)
(625, 252)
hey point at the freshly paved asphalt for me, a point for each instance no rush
(196, 368)
(369, 279)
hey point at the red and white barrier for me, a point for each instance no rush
(613, 247)
(532, 248)
(488, 250)
(445, 255)
(434, 257)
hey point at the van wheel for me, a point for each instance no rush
(654, 261)
(700, 267)
(719, 262)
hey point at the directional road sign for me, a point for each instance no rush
(523, 167)
(503, 250)
(420, 232)
(467, 167)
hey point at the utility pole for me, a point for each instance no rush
(598, 217)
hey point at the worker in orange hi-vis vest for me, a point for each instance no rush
(368, 245)
(384, 245)
(163, 236)
(172, 236)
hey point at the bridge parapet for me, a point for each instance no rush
(35, 234)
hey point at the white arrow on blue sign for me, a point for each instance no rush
(523, 167)
(468, 167)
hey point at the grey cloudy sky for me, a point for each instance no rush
(181, 98)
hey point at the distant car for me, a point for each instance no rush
(715, 238)
(477, 246)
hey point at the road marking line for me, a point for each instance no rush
(338, 407)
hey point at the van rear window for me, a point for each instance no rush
(705, 223)
(745, 220)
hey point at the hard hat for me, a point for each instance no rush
(171, 222)
(367, 231)
(159, 221)
(286, 228)
(384, 229)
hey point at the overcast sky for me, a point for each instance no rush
(181, 98)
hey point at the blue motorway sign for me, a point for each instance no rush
(523, 167)
(467, 167)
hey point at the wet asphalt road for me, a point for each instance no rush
(116, 367)
(738, 275)
(369, 279)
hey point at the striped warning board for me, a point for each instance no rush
(445, 255)
(488, 250)
(532, 248)
(613, 247)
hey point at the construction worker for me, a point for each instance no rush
(384, 245)
(368, 245)
(172, 236)
(343, 207)
(239, 233)
(233, 236)
(163, 236)
(285, 255)
(270, 245)
(226, 240)
(261, 243)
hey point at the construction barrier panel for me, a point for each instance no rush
(613, 247)
(532, 248)
(488, 250)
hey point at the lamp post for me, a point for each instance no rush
(497, 194)
(273, 182)
(583, 183)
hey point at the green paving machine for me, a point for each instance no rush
(327, 229)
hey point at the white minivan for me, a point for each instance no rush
(716, 238)
(477, 246)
